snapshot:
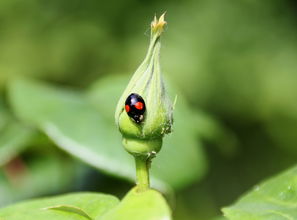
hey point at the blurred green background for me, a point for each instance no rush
(63, 64)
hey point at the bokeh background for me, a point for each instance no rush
(233, 65)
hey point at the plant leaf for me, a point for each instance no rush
(275, 198)
(70, 208)
(73, 124)
(95, 204)
(148, 205)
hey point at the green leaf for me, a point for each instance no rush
(95, 204)
(84, 127)
(276, 198)
(148, 205)
(73, 124)
(71, 209)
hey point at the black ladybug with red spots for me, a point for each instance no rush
(135, 107)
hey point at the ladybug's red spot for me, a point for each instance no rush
(127, 108)
(139, 105)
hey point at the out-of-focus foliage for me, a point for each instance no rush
(23, 178)
(23, 174)
(234, 60)
(13, 140)
(273, 199)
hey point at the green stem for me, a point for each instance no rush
(142, 173)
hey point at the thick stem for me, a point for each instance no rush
(142, 173)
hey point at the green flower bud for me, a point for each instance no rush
(145, 136)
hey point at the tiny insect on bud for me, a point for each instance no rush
(144, 111)
(135, 107)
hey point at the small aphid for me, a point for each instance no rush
(135, 107)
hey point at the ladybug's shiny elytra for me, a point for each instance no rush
(135, 107)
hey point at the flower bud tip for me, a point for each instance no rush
(157, 25)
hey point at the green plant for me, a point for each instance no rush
(144, 139)
(238, 69)
(141, 202)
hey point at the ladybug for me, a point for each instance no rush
(135, 107)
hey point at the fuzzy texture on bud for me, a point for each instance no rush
(146, 137)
